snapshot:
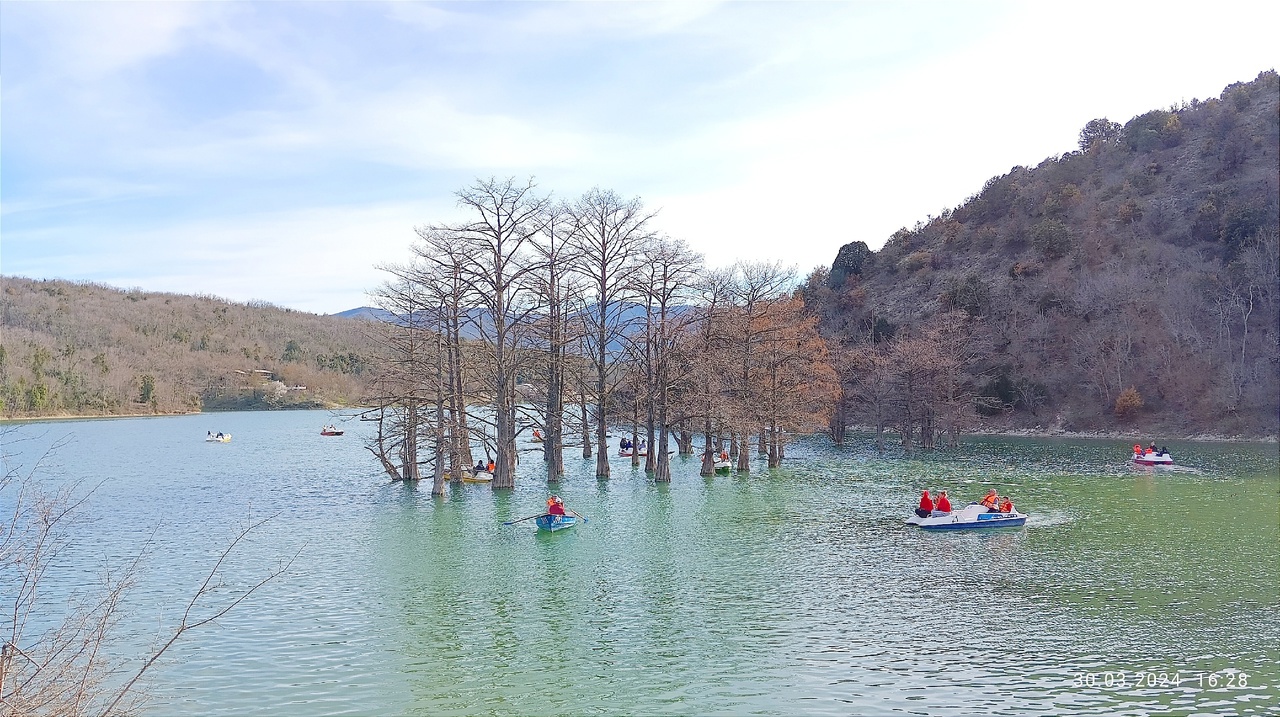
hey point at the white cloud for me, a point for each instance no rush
(762, 131)
(84, 42)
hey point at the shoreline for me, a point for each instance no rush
(1129, 437)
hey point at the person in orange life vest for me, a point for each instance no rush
(1137, 449)
(926, 505)
(537, 435)
(555, 506)
(724, 455)
(944, 503)
(1006, 506)
(991, 501)
(492, 465)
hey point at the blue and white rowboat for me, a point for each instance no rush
(970, 517)
(552, 523)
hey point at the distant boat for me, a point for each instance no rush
(218, 438)
(330, 431)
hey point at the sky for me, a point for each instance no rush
(282, 151)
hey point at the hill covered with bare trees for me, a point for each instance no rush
(87, 349)
(1130, 284)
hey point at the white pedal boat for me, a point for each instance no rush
(969, 517)
(1153, 459)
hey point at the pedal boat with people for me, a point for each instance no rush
(1153, 459)
(971, 517)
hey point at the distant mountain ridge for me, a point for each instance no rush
(631, 314)
(371, 313)
(1145, 259)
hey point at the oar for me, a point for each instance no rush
(521, 520)
(584, 518)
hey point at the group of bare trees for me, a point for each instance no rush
(920, 383)
(570, 318)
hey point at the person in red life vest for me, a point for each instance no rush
(926, 505)
(991, 501)
(724, 455)
(1137, 449)
(492, 465)
(944, 503)
(1006, 506)
(555, 506)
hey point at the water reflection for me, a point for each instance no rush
(775, 592)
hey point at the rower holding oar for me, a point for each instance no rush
(556, 517)
(555, 506)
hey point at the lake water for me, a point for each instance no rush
(792, 591)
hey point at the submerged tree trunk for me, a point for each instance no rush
(744, 455)
(437, 475)
(708, 449)
(410, 444)
(602, 423)
(775, 455)
(586, 426)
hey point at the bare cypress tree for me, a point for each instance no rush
(495, 267)
(561, 301)
(755, 288)
(710, 360)
(407, 357)
(440, 254)
(798, 384)
(608, 231)
(670, 270)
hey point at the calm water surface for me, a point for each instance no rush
(790, 591)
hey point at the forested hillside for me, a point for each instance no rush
(1129, 284)
(87, 349)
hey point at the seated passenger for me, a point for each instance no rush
(944, 503)
(1137, 449)
(926, 505)
(479, 467)
(991, 501)
(1006, 506)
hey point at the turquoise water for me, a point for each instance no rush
(793, 591)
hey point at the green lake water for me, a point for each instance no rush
(792, 591)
